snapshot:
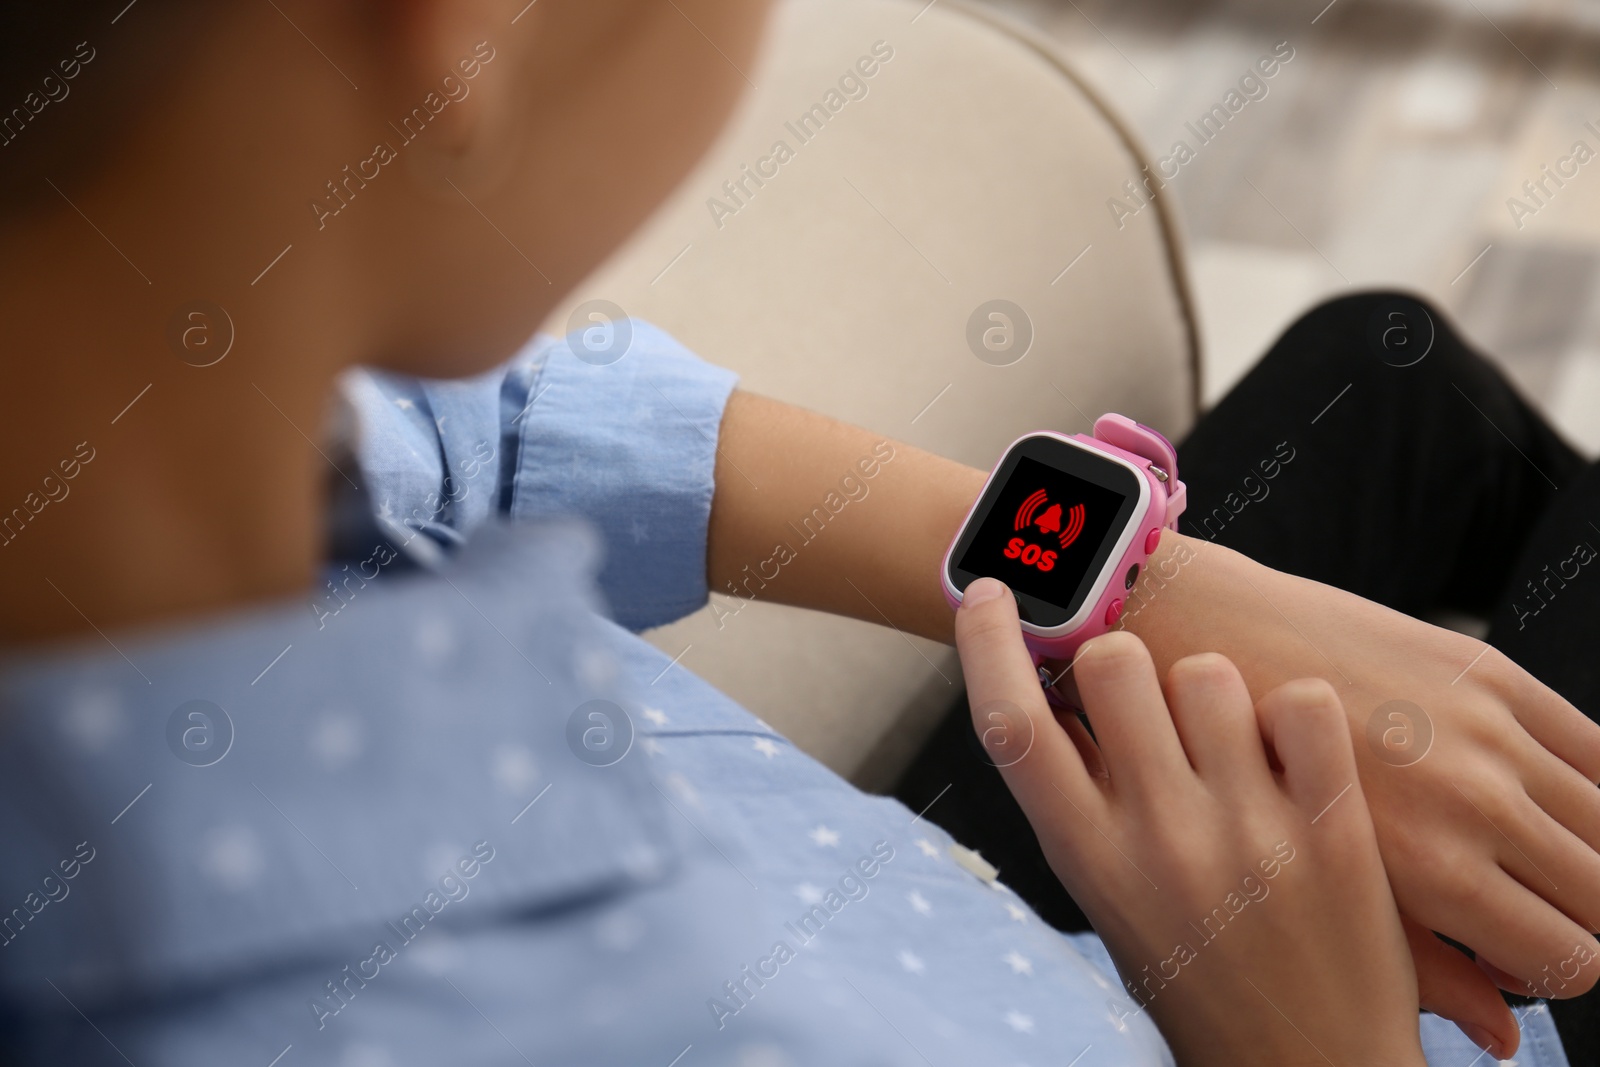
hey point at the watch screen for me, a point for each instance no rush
(1046, 526)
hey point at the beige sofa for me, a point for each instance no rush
(969, 165)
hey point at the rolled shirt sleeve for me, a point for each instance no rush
(630, 445)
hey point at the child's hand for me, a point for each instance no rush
(1245, 906)
(1492, 839)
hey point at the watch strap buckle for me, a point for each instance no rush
(1153, 446)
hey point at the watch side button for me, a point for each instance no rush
(1114, 612)
(1151, 541)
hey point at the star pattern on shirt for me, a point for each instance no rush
(639, 531)
(620, 930)
(233, 856)
(765, 746)
(1018, 963)
(1022, 1024)
(824, 837)
(366, 1054)
(1017, 914)
(928, 848)
(403, 403)
(808, 893)
(93, 719)
(685, 789)
(911, 962)
(513, 769)
(651, 746)
(919, 903)
(655, 715)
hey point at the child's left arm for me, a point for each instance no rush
(1491, 839)
(820, 514)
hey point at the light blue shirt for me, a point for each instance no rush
(442, 809)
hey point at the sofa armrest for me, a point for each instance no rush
(841, 271)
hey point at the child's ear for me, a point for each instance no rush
(454, 85)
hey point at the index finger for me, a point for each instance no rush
(1009, 710)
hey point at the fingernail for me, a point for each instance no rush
(1482, 1038)
(983, 589)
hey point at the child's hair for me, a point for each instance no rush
(72, 77)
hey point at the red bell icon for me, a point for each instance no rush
(1050, 521)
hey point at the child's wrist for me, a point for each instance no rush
(1185, 579)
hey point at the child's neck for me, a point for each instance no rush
(134, 486)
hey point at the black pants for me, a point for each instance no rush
(1419, 479)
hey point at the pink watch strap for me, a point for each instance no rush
(1149, 446)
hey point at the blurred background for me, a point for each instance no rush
(1384, 153)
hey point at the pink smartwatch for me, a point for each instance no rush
(1069, 523)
